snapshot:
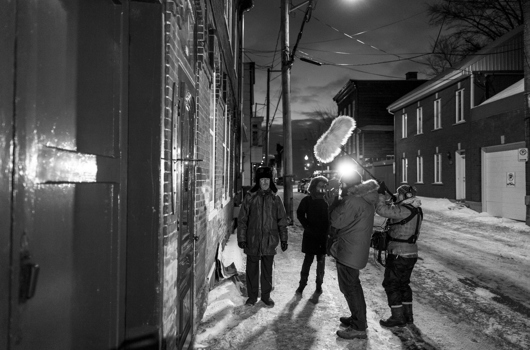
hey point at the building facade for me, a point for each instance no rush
(372, 141)
(440, 133)
(120, 133)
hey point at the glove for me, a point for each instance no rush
(242, 245)
(284, 246)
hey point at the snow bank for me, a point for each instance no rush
(445, 207)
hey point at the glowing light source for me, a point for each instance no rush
(346, 167)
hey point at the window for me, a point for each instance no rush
(224, 155)
(404, 126)
(419, 169)
(228, 17)
(419, 120)
(211, 200)
(404, 166)
(438, 168)
(437, 114)
(459, 106)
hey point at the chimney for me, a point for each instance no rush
(411, 76)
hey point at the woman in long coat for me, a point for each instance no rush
(313, 215)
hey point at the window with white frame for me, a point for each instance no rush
(228, 17)
(404, 126)
(212, 140)
(438, 168)
(226, 146)
(404, 169)
(419, 120)
(419, 169)
(459, 97)
(437, 114)
(224, 155)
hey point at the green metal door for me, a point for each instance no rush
(66, 170)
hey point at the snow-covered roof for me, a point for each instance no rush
(509, 91)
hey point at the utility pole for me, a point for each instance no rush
(268, 117)
(526, 40)
(286, 106)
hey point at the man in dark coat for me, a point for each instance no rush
(312, 213)
(352, 222)
(262, 224)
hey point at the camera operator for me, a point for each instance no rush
(405, 217)
(352, 222)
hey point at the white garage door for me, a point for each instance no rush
(504, 185)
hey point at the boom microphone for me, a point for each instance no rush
(329, 144)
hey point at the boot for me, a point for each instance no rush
(319, 288)
(351, 333)
(269, 302)
(300, 289)
(346, 320)
(397, 318)
(407, 312)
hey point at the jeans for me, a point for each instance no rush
(350, 286)
(397, 279)
(253, 276)
(306, 266)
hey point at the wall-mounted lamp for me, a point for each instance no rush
(449, 157)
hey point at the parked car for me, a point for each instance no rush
(303, 185)
(279, 181)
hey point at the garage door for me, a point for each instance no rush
(504, 184)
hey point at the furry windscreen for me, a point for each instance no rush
(329, 144)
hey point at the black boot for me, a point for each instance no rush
(397, 318)
(300, 289)
(319, 288)
(407, 312)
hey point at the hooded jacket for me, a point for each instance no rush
(352, 220)
(262, 222)
(396, 213)
(312, 213)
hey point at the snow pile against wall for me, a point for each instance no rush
(445, 207)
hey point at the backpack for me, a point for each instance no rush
(380, 238)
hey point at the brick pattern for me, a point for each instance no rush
(214, 55)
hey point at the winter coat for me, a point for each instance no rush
(352, 221)
(312, 213)
(262, 223)
(395, 213)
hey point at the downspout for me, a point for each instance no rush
(244, 6)
(526, 39)
(472, 93)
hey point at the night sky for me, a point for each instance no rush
(354, 39)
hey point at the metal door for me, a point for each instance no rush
(67, 228)
(185, 184)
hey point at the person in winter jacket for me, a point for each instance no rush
(262, 225)
(312, 213)
(352, 221)
(404, 229)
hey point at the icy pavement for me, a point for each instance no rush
(471, 288)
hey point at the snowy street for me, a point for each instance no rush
(471, 291)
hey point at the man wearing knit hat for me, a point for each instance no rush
(262, 225)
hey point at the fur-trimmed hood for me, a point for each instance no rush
(367, 189)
